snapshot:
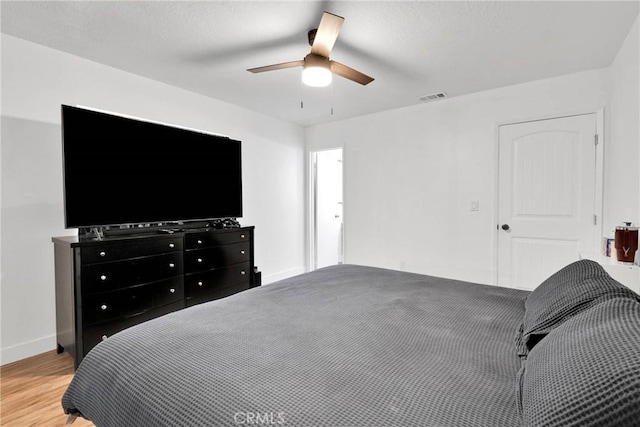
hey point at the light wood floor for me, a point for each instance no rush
(31, 390)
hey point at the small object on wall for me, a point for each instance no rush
(626, 242)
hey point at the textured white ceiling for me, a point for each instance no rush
(411, 48)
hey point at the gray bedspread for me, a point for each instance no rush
(341, 346)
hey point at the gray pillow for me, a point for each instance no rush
(571, 290)
(586, 372)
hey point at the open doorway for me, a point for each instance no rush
(326, 208)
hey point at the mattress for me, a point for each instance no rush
(341, 346)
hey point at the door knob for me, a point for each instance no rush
(505, 227)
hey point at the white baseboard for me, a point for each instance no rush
(27, 349)
(274, 277)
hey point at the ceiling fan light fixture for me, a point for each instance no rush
(316, 76)
(316, 71)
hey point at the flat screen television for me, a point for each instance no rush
(119, 170)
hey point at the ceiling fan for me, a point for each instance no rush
(317, 68)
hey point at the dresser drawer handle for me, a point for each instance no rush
(103, 253)
(200, 283)
(103, 277)
(199, 241)
(242, 236)
(242, 252)
(243, 272)
(104, 337)
(171, 265)
(171, 245)
(200, 260)
(103, 306)
(172, 290)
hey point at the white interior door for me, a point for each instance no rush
(328, 208)
(546, 198)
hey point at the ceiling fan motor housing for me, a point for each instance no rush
(313, 60)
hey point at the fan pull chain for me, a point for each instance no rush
(332, 96)
(301, 93)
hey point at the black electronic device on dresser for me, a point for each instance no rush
(105, 286)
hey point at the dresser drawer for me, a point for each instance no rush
(121, 274)
(218, 256)
(208, 281)
(94, 334)
(113, 251)
(131, 301)
(215, 238)
(215, 294)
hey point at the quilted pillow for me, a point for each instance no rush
(571, 290)
(586, 372)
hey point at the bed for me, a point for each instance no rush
(363, 346)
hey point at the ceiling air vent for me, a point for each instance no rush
(433, 97)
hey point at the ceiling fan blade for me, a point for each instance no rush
(349, 73)
(327, 34)
(280, 66)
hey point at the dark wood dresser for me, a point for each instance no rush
(105, 286)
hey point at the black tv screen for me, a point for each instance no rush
(119, 170)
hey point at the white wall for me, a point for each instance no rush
(624, 134)
(35, 81)
(411, 173)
